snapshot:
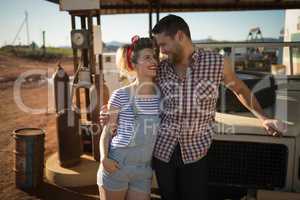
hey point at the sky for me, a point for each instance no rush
(45, 16)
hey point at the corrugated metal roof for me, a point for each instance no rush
(143, 6)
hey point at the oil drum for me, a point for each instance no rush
(28, 157)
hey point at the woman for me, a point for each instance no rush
(125, 170)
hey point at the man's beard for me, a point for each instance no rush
(176, 56)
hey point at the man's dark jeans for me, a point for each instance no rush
(179, 181)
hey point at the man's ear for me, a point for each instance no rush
(176, 36)
(180, 35)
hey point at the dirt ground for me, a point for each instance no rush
(34, 94)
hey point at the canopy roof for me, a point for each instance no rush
(144, 6)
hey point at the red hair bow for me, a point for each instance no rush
(134, 40)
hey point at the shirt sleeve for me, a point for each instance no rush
(115, 99)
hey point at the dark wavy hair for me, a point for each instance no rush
(142, 43)
(170, 25)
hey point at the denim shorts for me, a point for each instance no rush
(134, 173)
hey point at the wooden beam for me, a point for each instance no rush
(76, 63)
(130, 6)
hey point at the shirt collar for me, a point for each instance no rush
(194, 59)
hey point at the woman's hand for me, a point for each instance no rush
(110, 165)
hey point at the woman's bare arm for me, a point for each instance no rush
(108, 131)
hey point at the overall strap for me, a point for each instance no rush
(131, 94)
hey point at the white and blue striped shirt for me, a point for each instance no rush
(120, 99)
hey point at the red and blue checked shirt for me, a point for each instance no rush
(188, 106)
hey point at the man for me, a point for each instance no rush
(189, 80)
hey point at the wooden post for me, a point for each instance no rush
(157, 12)
(95, 111)
(102, 89)
(150, 21)
(75, 62)
(44, 43)
(291, 61)
(85, 57)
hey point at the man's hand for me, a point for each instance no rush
(104, 120)
(104, 115)
(274, 127)
(110, 165)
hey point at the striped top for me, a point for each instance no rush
(144, 105)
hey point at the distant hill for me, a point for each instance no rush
(209, 40)
(108, 47)
(114, 43)
(112, 46)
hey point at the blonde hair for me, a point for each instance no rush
(122, 62)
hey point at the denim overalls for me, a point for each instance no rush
(135, 159)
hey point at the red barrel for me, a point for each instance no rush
(28, 157)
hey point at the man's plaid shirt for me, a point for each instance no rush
(188, 106)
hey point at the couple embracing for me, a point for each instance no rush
(164, 119)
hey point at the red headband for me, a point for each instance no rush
(134, 40)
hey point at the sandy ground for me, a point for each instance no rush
(34, 95)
